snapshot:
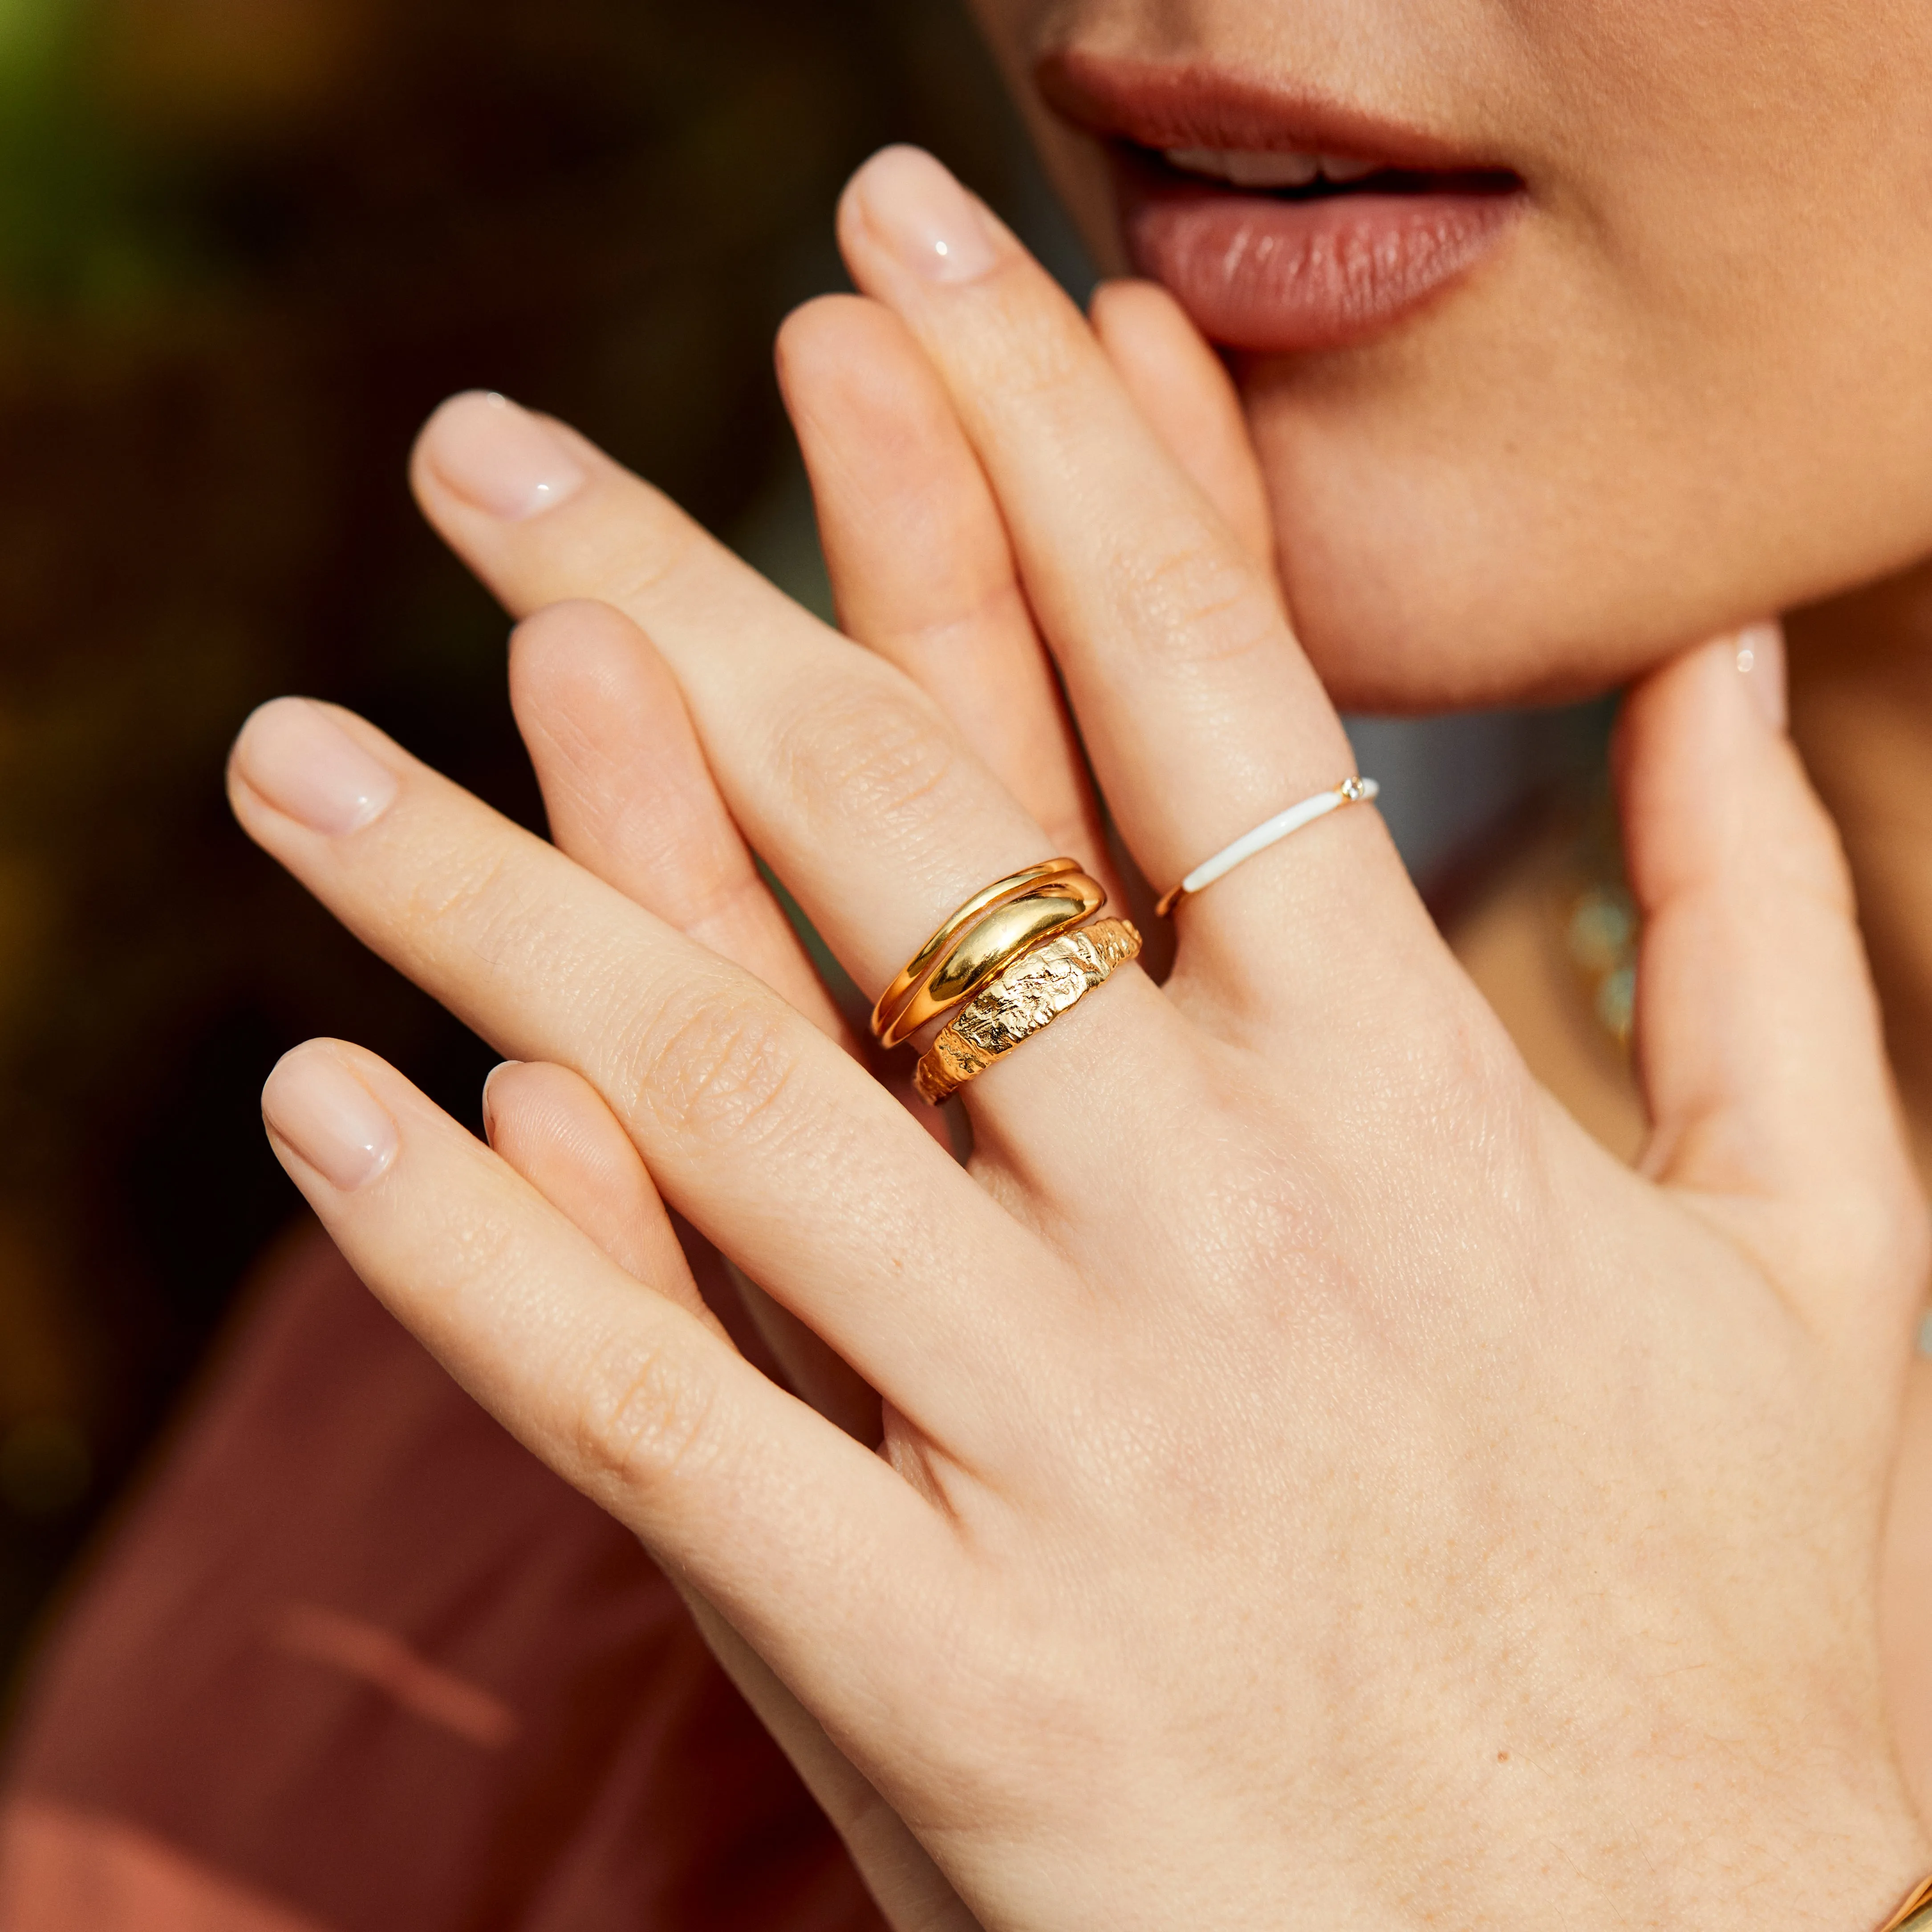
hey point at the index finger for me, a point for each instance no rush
(758, 1128)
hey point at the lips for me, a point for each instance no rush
(1282, 224)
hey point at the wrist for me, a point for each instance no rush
(1915, 1910)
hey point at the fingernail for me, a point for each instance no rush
(1760, 663)
(314, 1103)
(499, 456)
(917, 210)
(489, 1108)
(299, 758)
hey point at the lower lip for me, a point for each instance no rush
(1277, 278)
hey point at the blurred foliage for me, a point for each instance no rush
(245, 246)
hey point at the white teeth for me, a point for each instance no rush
(1254, 168)
(1271, 170)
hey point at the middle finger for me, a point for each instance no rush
(1201, 714)
(843, 776)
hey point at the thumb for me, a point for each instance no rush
(1758, 1039)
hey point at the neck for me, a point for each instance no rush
(1862, 713)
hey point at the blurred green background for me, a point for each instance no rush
(245, 246)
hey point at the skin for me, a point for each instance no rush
(1695, 385)
(1693, 389)
(1319, 1486)
(1619, 433)
(1859, 718)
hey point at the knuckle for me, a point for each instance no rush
(1467, 1074)
(1037, 353)
(645, 1417)
(479, 907)
(718, 1071)
(1207, 606)
(649, 549)
(1817, 856)
(869, 750)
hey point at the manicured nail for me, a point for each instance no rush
(502, 458)
(489, 1109)
(1760, 662)
(314, 1103)
(917, 210)
(299, 758)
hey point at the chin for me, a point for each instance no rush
(1409, 600)
(1388, 655)
(1397, 624)
(1414, 589)
(1439, 557)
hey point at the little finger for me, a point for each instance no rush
(553, 1126)
(803, 1538)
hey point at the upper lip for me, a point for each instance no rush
(1168, 105)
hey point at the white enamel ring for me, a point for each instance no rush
(1350, 791)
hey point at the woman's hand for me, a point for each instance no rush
(1319, 1486)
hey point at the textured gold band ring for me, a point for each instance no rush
(992, 929)
(1026, 999)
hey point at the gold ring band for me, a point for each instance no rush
(1026, 999)
(986, 934)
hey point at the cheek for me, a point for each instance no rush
(1698, 389)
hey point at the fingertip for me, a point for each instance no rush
(1759, 660)
(498, 457)
(570, 628)
(1130, 300)
(906, 211)
(590, 692)
(436, 425)
(314, 764)
(817, 335)
(489, 1089)
(1694, 716)
(864, 399)
(552, 1127)
(316, 1106)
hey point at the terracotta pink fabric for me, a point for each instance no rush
(64, 1871)
(357, 1662)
